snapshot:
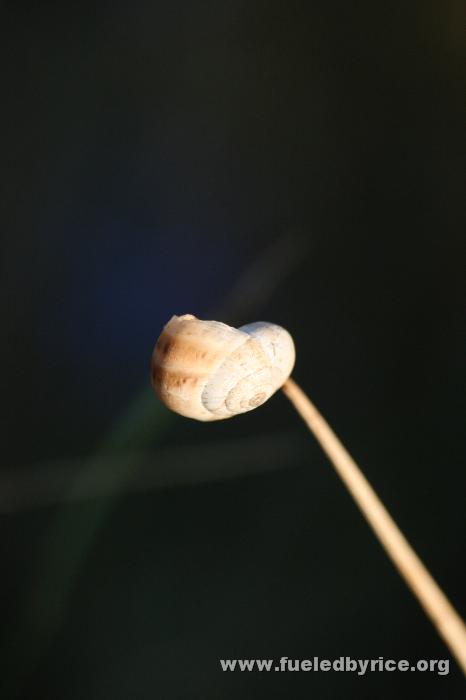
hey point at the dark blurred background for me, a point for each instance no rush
(299, 162)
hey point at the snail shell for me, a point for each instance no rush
(208, 371)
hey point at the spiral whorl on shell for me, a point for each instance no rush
(208, 371)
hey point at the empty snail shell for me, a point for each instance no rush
(208, 371)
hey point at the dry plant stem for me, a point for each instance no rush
(437, 606)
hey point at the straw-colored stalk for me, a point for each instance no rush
(447, 621)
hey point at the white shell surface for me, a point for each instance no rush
(276, 342)
(209, 371)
